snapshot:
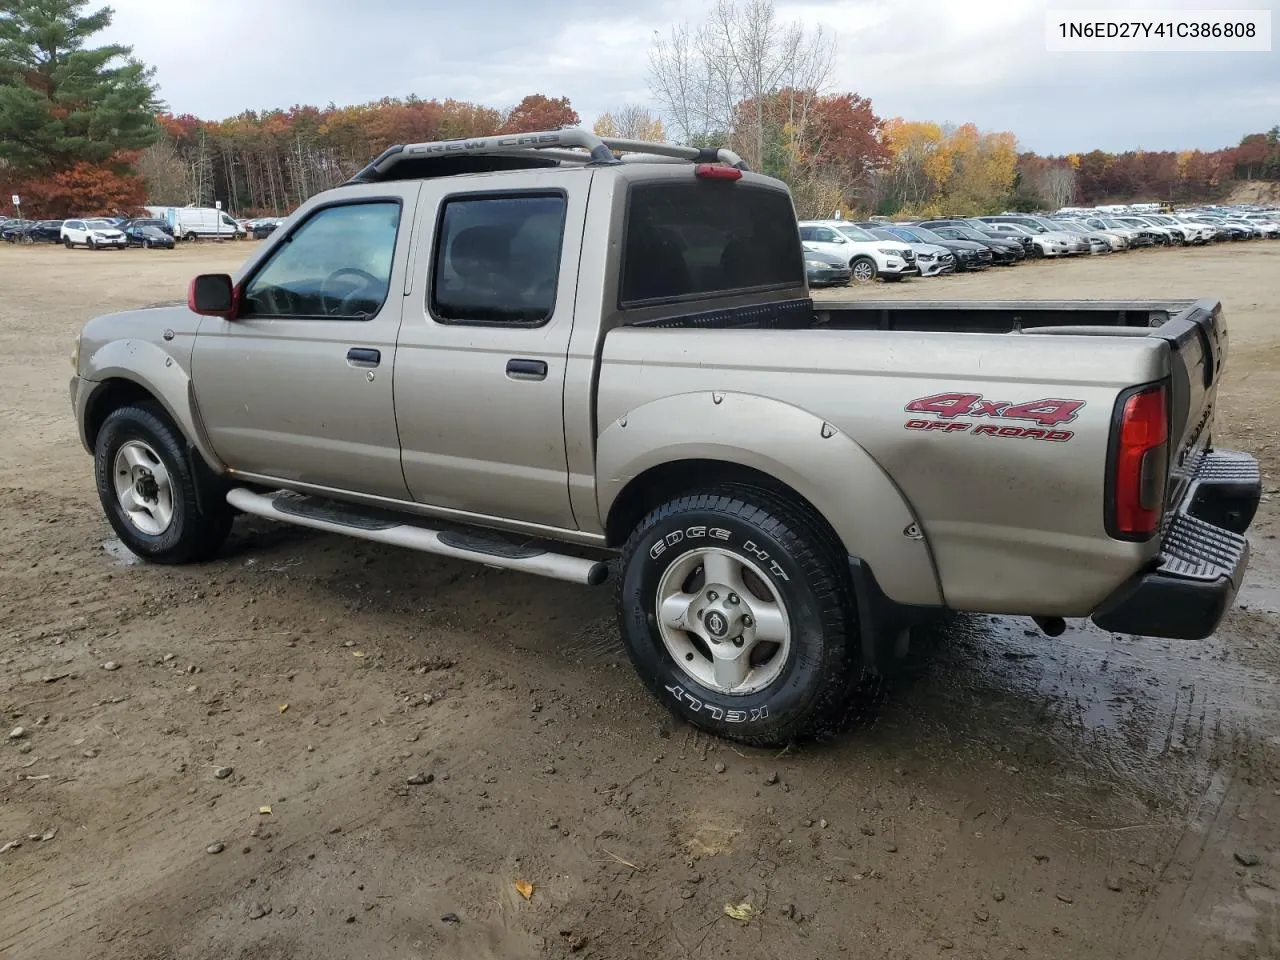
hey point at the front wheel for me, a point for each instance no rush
(736, 609)
(150, 490)
(863, 269)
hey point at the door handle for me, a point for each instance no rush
(518, 369)
(364, 357)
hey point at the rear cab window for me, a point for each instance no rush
(686, 241)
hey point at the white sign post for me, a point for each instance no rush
(17, 205)
(217, 205)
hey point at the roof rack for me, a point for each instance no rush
(526, 151)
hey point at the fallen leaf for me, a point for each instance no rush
(284, 707)
(742, 911)
(524, 888)
(264, 810)
(357, 653)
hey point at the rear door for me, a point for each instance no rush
(298, 387)
(480, 364)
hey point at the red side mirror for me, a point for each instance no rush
(213, 295)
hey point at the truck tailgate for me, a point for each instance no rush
(1197, 338)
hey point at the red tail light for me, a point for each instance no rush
(716, 171)
(1140, 464)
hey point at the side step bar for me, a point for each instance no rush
(490, 549)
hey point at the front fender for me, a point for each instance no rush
(157, 372)
(818, 461)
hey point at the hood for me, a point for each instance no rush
(830, 259)
(969, 245)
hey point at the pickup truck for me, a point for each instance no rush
(598, 359)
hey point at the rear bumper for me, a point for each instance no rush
(1191, 585)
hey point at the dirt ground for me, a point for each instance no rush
(1084, 797)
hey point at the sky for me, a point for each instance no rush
(947, 61)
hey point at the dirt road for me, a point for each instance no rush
(1081, 797)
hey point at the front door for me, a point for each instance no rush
(299, 386)
(480, 365)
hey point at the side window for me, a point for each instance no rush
(336, 265)
(808, 233)
(826, 235)
(497, 259)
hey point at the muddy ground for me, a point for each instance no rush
(1085, 797)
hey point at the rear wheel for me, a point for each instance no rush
(737, 611)
(864, 269)
(153, 497)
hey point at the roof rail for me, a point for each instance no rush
(522, 151)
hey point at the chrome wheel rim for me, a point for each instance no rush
(143, 488)
(863, 272)
(723, 622)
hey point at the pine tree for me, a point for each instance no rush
(63, 102)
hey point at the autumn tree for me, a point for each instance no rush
(539, 112)
(63, 102)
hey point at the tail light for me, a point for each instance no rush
(1139, 462)
(716, 171)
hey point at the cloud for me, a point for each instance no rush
(941, 60)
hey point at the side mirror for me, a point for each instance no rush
(213, 295)
(840, 239)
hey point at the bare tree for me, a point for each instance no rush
(164, 173)
(718, 77)
(631, 122)
(1057, 185)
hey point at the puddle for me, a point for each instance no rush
(122, 555)
(1150, 716)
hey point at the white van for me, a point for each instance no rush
(197, 223)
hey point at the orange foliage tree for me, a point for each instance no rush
(539, 112)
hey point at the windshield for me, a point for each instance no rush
(100, 224)
(884, 233)
(854, 233)
(924, 235)
(963, 233)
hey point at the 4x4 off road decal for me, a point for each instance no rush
(947, 409)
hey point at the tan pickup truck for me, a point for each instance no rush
(583, 358)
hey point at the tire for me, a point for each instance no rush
(168, 525)
(190, 238)
(864, 270)
(91, 244)
(146, 244)
(807, 685)
(66, 242)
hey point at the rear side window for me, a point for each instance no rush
(689, 241)
(497, 259)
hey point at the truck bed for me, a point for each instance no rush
(1003, 517)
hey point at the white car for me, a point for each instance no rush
(1044, 244)
(867, 257)
(1043, 227)
(1167, 235)
(931, 259)
(93, 234)
(1203, 232)
(1099, 240)
(1190, 233)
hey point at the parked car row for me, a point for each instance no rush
(839, 252)
(91, 232)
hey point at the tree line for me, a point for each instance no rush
(83, 131)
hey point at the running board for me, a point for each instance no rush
(491, 549)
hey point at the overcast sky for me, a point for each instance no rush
(940, 60)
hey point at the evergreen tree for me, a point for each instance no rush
(63, 102)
